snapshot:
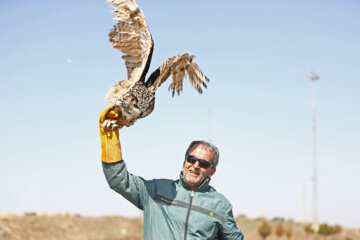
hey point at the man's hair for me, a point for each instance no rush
(211, 147)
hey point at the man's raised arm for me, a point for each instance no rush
(131, 187)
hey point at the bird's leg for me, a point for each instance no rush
(118, 110)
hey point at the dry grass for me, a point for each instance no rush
(250, 228)
(69, 227)
(64, 227)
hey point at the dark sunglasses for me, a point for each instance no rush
(202, 163)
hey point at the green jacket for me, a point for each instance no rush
(171, 209)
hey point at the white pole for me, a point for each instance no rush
(313, 78)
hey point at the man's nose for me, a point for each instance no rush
(196, 164)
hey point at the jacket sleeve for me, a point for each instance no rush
(229, 229)
(133, 188)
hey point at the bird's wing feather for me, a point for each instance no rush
(131, 36)
(179, 66)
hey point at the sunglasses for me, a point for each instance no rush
(202, 163)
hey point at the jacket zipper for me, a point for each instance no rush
(188, 214)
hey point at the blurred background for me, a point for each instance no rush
(56, 65)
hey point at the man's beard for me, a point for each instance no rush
(192, 183)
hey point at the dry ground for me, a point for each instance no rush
(250, 230)
(66, 227)
(75, 227)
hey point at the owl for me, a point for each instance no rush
(134, 98)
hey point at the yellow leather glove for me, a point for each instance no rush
(110, 144)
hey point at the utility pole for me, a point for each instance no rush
(313, 77)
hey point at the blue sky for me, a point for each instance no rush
(56, 65)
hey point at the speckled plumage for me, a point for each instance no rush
(134, 98)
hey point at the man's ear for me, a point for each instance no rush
(213, 170)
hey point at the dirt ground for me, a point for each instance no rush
(75, 227)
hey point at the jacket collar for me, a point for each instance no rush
(202, 188)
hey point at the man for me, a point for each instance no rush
(188, 208)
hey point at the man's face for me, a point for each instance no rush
(195, 175)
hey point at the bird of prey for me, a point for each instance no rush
(134, 98)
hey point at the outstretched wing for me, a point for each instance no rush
(179, 66)
(131, 36)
